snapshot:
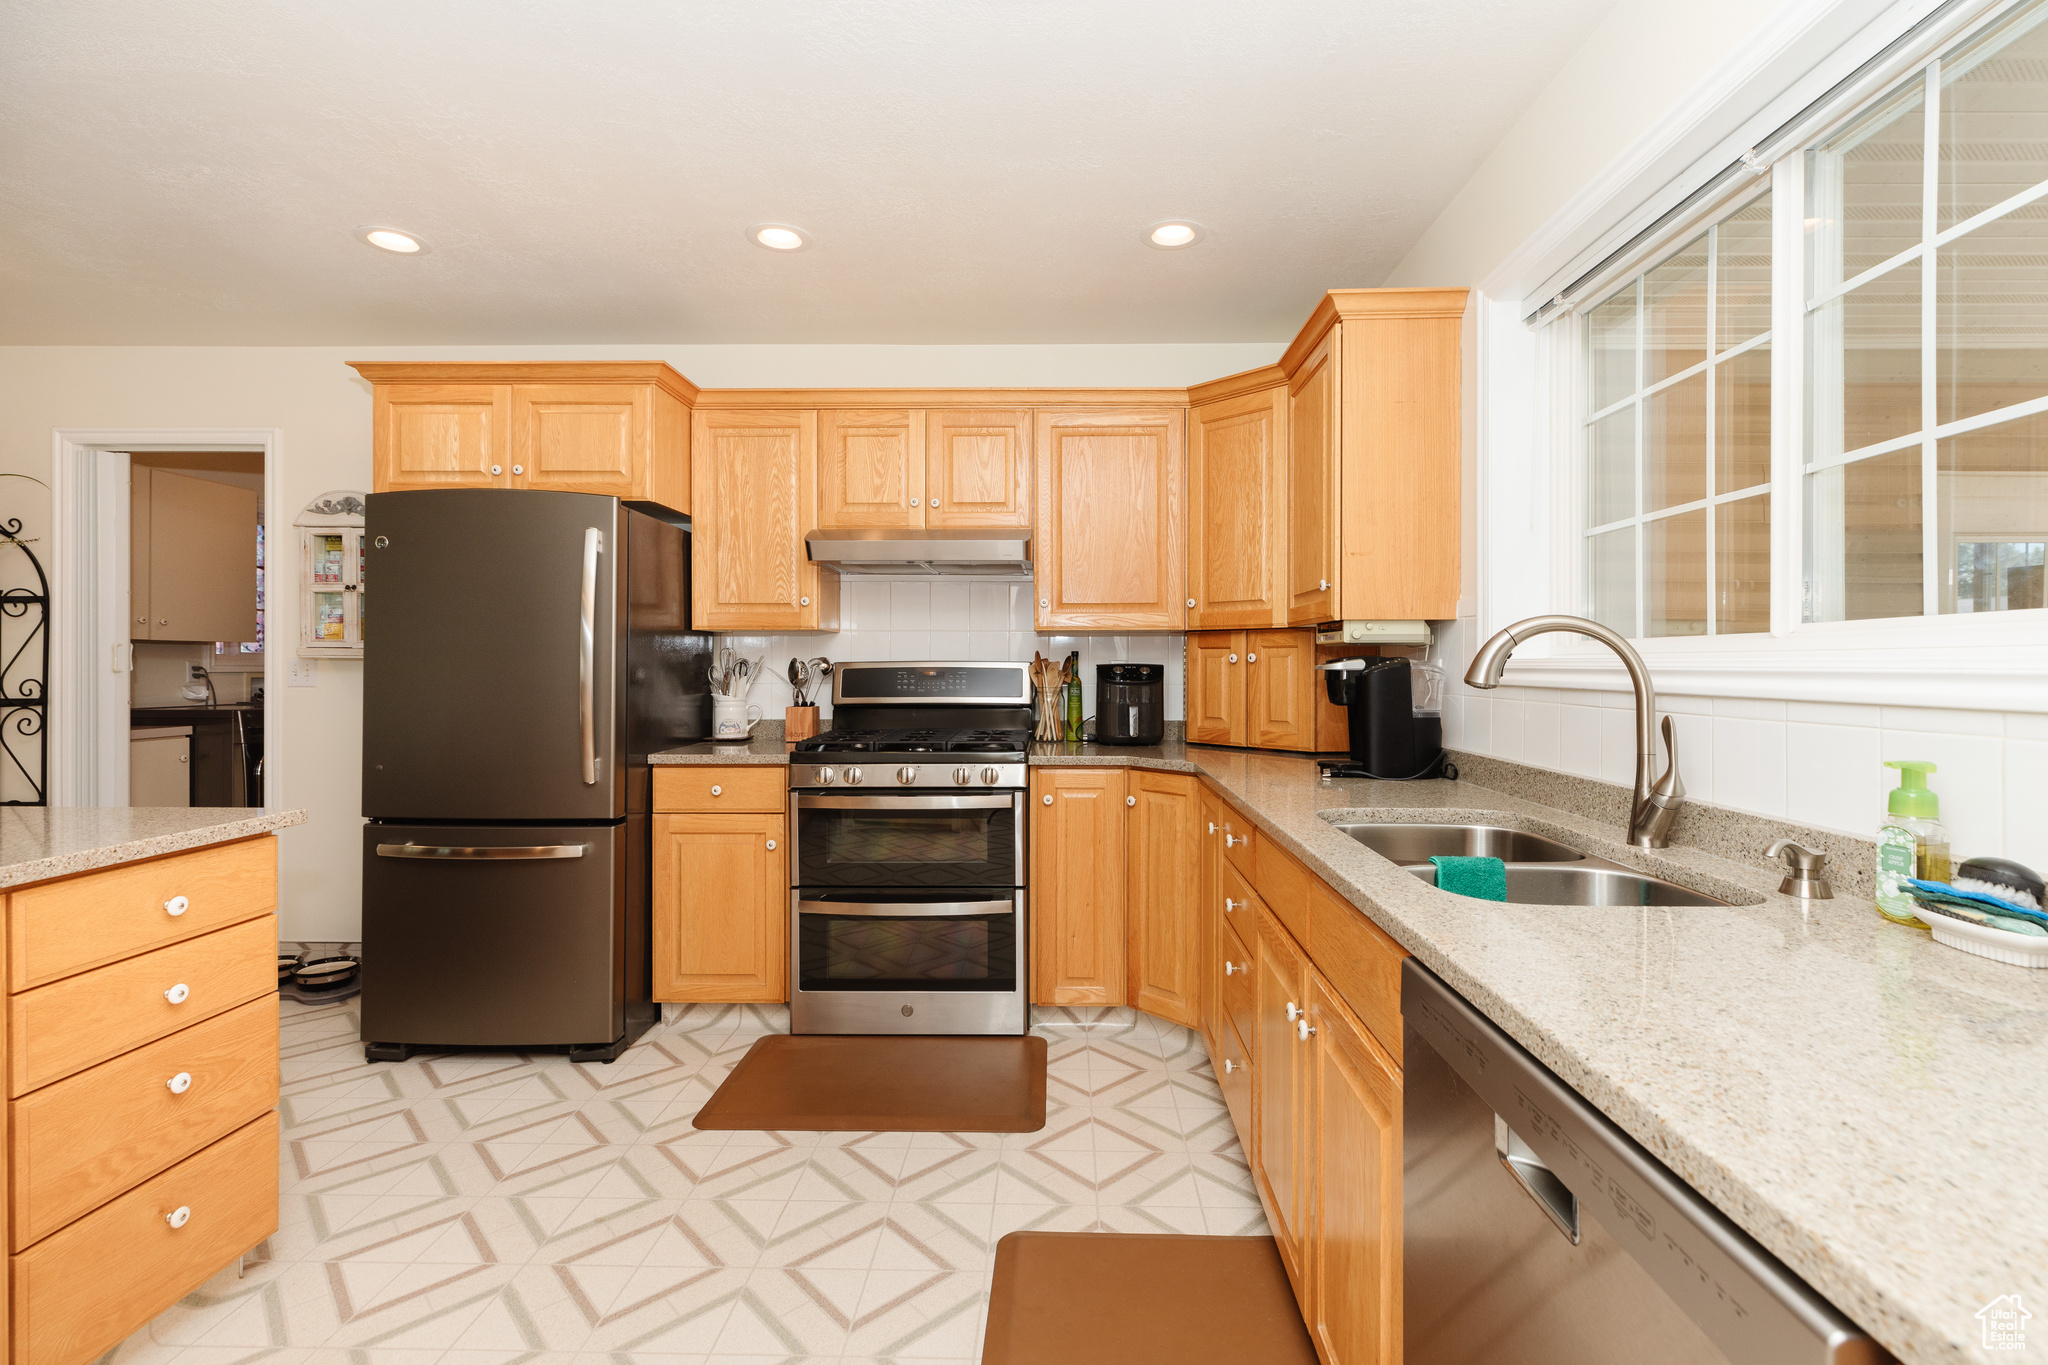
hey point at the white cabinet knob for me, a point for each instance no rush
(179, 1216)
(935, 503)
(771, 845)
(1044, 602)
(496, 469)
(1233, 658)
(518, 469)
(1229, 967)
(1293, 1011)
(1228, 1066)
(1228, 905)
(803, 601)
(1191, 603)
(1048, 799)
(1322, 584)
(1305, 1030)
(176, 906)
(1212, 826)
(178, 994)
(180, 1083)
(164, 621)
(717, 790)
(913, 502)
(1251, 658)
(1130, 800)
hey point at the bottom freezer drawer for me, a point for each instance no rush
(495, 936)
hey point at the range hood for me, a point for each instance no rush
(965, 553)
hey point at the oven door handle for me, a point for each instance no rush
(906, 909)
(807, 802)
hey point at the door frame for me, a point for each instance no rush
(91, 657)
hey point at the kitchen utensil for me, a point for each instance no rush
(798, 681)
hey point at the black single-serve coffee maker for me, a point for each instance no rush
(1397, 729)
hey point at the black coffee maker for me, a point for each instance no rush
(1395, 733)
(1130, 703)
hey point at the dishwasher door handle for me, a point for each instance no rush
(1537, 1180)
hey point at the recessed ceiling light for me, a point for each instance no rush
(392, 240)
(778, 237)
(1173, 234)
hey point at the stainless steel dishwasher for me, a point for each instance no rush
(1536, 1232)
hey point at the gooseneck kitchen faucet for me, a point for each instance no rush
(1657, 802)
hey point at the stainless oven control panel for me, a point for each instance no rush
(888, 771)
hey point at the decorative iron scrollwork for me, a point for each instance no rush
(24, 672)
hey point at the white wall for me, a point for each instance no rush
(323, 410)
(1812, 761)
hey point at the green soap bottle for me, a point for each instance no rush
(1910, 841)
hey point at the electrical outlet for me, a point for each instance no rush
(194, 672)
(304, 673)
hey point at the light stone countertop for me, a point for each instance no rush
(41, 842)
(1870, 1105)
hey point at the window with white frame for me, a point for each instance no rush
(1926, 451)
(1922, 374)
(1678, 441)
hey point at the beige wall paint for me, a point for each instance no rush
(1635, 66)
(323, 410)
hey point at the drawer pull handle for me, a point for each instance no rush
(176, 906)
(179, 1216)
(178, 994)
(1228, 1066)
(1232, 841)
(180, 1083)
(717, 790)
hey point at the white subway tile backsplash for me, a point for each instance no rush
(988, 644)
(1685, 706)
(1749, 708)
(1832, 713)
(1618, 745)
(863, 604)
(1749, 765)
(950, 645)
(1832, 776)
(1579, 740)
(2026, 802)
(950, 605)
(1941, 721)
(1479, 723)
(1541, 741)
(1509, 719)
(2026, 725)
(1969, 777)
(909, 646)
(910, 605)
(988, 606)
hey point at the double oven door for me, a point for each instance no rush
(907, 912)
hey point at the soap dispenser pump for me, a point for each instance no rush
(1911, 841)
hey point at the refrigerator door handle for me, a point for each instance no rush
(491, 852)
(586, 654)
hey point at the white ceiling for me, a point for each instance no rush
(191, 171)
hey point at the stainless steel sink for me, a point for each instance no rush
(1590, 885)
(1420, 843)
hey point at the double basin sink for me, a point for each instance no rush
(1540, 871)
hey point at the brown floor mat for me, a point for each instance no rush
(1110, 1298)
(884, 1085)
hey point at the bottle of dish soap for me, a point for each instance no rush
(1910, 841)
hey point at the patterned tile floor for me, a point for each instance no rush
(485, 1209)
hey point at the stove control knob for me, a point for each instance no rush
(989, 775)
(962, 776)
(825, 776)
(906, 775)
(853, 777)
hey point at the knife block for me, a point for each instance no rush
(799, 722)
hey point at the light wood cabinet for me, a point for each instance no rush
(1252, 687)
(192, 557)
(721, 907)
(977, 468)
(756, 485)
(1165, 896)
(1237, 511)
(1208, 895)
(1280, 1082)
(1111, 550)
(1373, 423)
(619, 429)
(1354, 1235)
(1079, 886)
(871, 467)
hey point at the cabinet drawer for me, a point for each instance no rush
(1236, 987)
(1362, 964)
(763, 788)
(1234, 1078)
(1283, 884)
(61, 928)
(81, 1290)
(1242, 914)
(1238, 845)
(84, 1140)
(68, 1025)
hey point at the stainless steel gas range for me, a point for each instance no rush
(907, 859)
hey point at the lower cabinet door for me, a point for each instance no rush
(84, 1288)
(1165, 897)
(1079, 887)
(1234, 1078)
(1280, 1070)
(1354, 1253)
(721, 908)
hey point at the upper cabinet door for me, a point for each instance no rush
(1313, 468)
(1280, 678)
(977, 468)
(754, 489)
(1237, 512)
(441, 436)
(581, 438)
(871, 468)
(1110, 536)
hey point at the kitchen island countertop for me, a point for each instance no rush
(38, 843)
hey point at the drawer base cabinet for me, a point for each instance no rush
(159, 1240)
(721, 885)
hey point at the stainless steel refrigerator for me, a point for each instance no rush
(525, 652)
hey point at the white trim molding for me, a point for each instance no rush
(89, 601)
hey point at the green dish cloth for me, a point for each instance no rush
(1484, 879)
